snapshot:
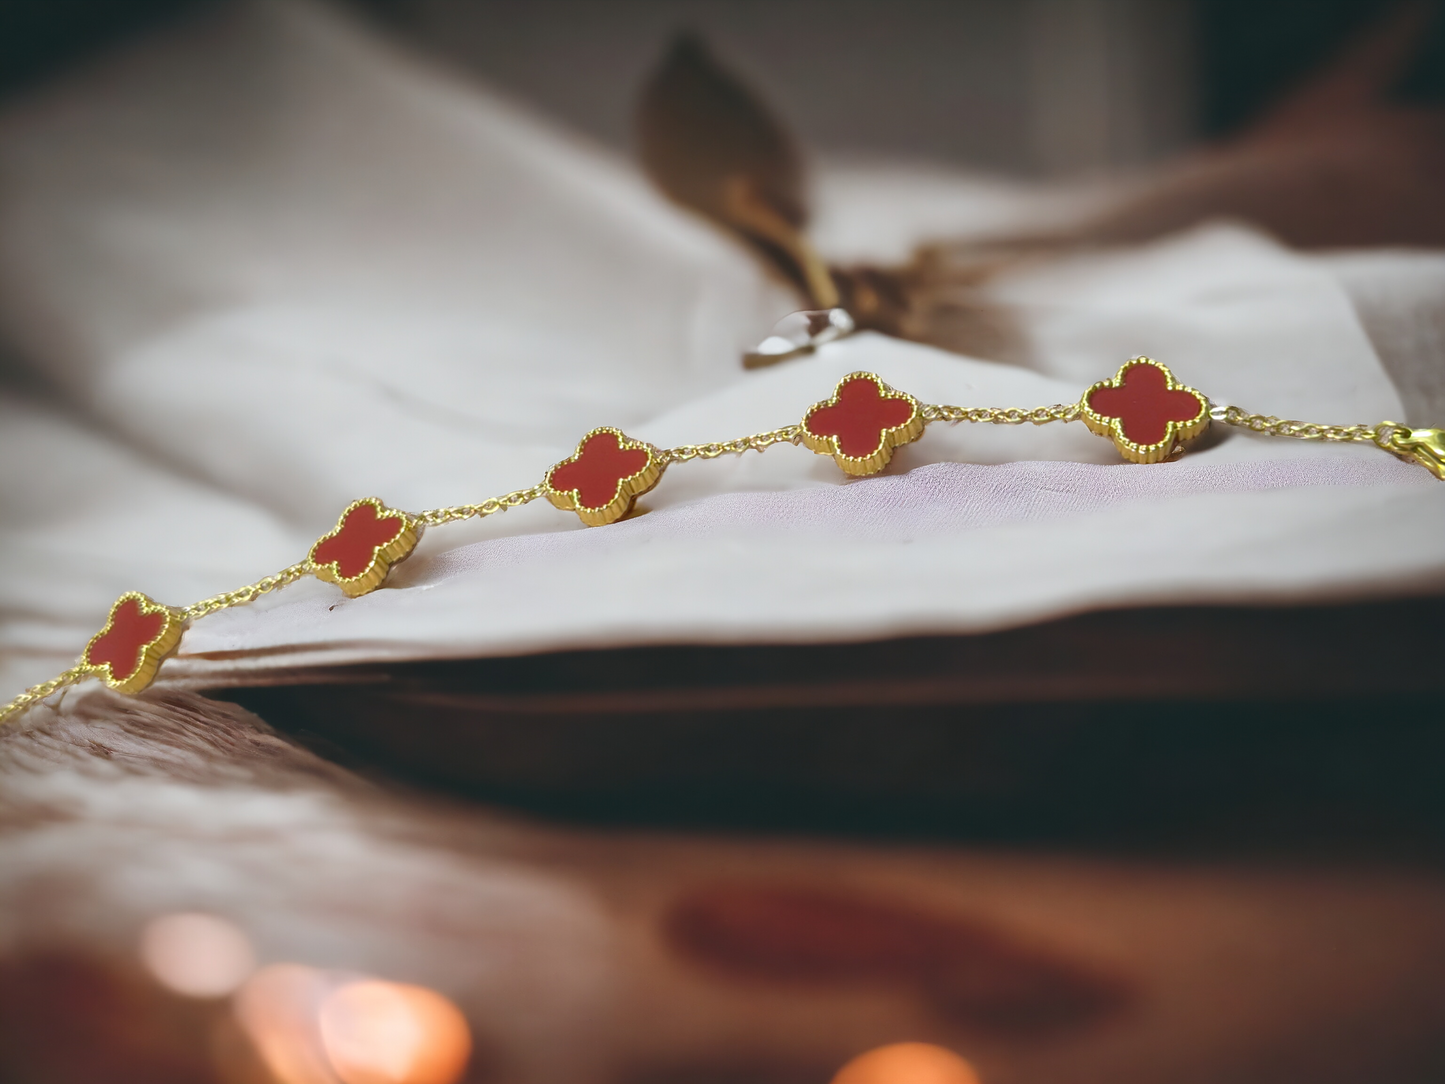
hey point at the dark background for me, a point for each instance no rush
(1041, 87)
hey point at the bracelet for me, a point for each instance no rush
(1147, 413)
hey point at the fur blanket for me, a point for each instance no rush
(626, 956)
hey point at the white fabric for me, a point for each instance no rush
(271, 265)
(1400, 296)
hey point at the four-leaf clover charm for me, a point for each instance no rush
(1145, 410)
(862, 424)
(138, 634)
(608, 472)
(369, 538)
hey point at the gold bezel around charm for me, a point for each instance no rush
(890, 437)
(385, 552)
(1177, 431)
(150, 653)
(627, 488)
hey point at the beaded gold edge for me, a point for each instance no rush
(146, 652)
(153, 631)
(890, 438)
(387, 553)
(625, 489)
(1177, 432)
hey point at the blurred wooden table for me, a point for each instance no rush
(1304, 727)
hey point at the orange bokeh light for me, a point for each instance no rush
(907, 1063)
(388, 1033)
(277, 1010)
(323, 1027)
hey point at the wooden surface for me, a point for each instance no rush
(1304, 726)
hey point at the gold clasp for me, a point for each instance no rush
(1425, 446)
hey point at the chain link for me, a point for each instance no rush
(1283, 427)
(435, 517)
(1059, 412)
(788, 434)
(250, 593)
(37, 693)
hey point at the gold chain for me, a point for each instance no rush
(1283, 427)
(788, 434)
(1423, 445)
(1059, 412)
(37, 693)
(435, 517)
(250, 593)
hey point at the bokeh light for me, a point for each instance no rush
(907, 1063)
(310, 1026)
(388, 1033)
(277, 1010)
(197, 955)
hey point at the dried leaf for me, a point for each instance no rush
(711, 145)
(936, 301)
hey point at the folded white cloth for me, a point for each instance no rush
(270, 264)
